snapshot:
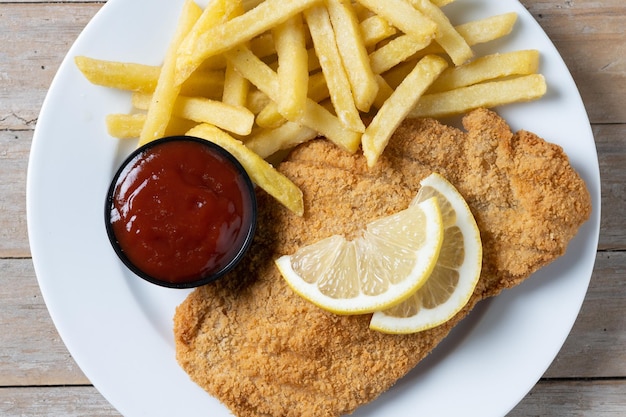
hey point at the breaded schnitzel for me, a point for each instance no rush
(264, 351)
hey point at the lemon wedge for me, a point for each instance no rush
(455, 274)
(387, 263)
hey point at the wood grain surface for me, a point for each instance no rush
(38, 377)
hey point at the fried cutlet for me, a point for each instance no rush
(264, 351)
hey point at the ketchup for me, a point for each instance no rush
(181, 211)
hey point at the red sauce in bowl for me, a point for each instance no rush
(180, 212)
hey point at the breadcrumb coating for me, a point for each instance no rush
(262, 350)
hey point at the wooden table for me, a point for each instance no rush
(37, 374)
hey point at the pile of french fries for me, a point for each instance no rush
(259, 77)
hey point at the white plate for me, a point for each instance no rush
(119, 329)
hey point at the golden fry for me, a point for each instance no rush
(270, 117)
(479, 31)
(128, 126)
(441, 3)
(216, 13)
(293, 71)
(166, 91)
(235, 119)
(235, 88)
(119, 75)
(225, 36)
(395, 109)
(488, 95)
(125, 126)
(141, 78)
(353, 53)
(384, 92)
(374, 29)
(337, 81)
(252, 68)
(447, 36)
(269, 141)
(315, 116)
(394, 52)
(487, 68)
(405, 17)
(257, 101)
(261, 172)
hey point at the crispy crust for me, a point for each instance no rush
(264, 351)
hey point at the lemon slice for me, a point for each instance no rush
(456, 272)
(387, 263)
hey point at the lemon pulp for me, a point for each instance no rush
(456, 272)
(383, 267)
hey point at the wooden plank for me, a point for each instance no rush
(611, 147)
(31, 55)
(610, 142)
(54, 401)
(595, 346)
(574, 398)
(591, 39)
(548, 398)
(14, 151)
(38, 374)
(595, 61)
(31, 351)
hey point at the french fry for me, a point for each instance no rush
(488, 95)
(337, 81)
(474, 33)
(236, 88)
(488, 29)
(318, 90)
(447, 36)
(250, 4)
(405, 17)
(125, 126)
(120, 75)
(260, 172)
(223, 37)
(235, 119)
(128, 126)
(384, 92)
(353, 53)
(217, 12)
(487, 68)
(269, 141)
(208, 84)
(374, 29)
(315, 116)
(238, 62)
(441, 3)
(254, 70)
(479, 31)
(394, 52)
(395, 109)
(263, 45)
(293, 71)
(320, 119)
(271, 118)
(166, 91)
(257, 101)
(141, 78)
(396, 74)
